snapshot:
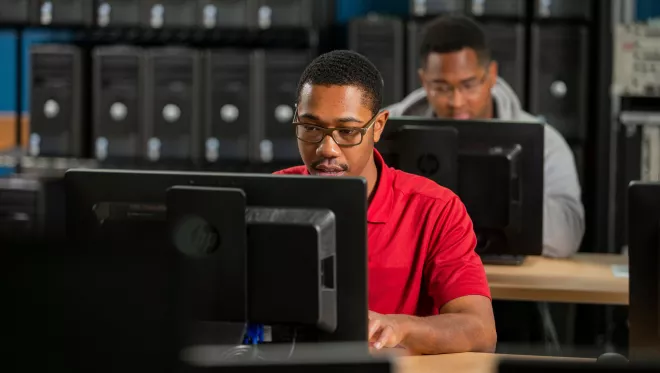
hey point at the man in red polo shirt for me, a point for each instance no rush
(427, 287)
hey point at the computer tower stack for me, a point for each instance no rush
(230, 105)
(118, 102)
(15, 12)
(277, 75)
(117, 13)
(560, 40)
(172, 91)
(422, 8)
(508, 47)
(497, 8)
(158, 14)
(503, 24)
(226, 14)
(560, 70)
(293, 13)
(381, 40)
(57, 101)
(63, 12)
(563, 9)
(414, 30)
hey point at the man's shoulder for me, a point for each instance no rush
(554, 141)
(419, 188)
(297, 170)
(415, 104)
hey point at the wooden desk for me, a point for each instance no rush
(458, 363)
(585, 278)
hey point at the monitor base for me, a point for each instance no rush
(503, 259)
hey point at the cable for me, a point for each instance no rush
(293, 343)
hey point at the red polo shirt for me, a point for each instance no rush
(421, 245)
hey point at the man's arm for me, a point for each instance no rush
(464, 324)
(455, 280)
(563, 212)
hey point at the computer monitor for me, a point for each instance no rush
(148, 249)
(495, 167)
(644, 268)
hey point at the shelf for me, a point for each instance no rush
(245, 38)
(640, 118)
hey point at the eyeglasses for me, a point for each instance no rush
(343, 136)
(469, 88)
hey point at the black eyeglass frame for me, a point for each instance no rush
(329, 131)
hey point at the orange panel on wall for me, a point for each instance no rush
(8, 131)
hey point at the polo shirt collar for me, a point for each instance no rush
(380, 206)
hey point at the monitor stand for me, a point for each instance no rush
(503, 259)
(490, 242)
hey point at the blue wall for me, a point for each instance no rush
(8, 63)
(7, 71)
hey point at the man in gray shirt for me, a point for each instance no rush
(460, 81)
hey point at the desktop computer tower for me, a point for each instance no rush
(226, 13)
(381, 40)
(293, 13)
(563, 9)
(229, 105)
(118, 102)
(508, 48)
(414, 40)
(158, 14)
(172, 92)
(16, 12)
(558, 93)
(278, 72)
(31, 208)
(497, 8)
(64, 12)
(421, 8)
(57, 104)
(117, 13)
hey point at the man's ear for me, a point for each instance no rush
(493, 70)
(420, 75)
(379, 124)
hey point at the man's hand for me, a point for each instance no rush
(465, 324)
(386, 331)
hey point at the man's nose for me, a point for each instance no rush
(457, 99)
(328, 148)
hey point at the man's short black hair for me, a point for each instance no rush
(448, 34)
(345, 68)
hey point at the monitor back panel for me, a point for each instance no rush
(644, 261)
(87, 188)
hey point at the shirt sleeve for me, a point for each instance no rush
(452, 268)
(563, 212)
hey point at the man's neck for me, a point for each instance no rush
(371, 173)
